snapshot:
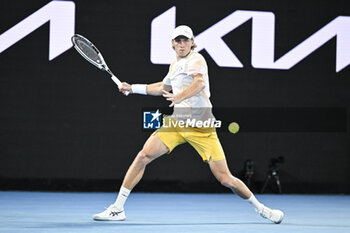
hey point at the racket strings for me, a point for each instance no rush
(89, 51)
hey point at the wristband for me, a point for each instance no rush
(139, 89)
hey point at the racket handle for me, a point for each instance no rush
(118, 82)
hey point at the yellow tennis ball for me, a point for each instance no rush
(233, 127)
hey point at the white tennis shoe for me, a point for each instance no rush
(275, 216)
(110, 214)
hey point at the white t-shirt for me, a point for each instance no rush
(180, 78)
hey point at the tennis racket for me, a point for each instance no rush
(89, 51)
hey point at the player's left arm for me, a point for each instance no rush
(197, 86)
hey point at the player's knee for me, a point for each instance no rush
(144, 156)
(225, 181)
(228, 181)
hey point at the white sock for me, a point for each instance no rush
(122, 196)
(252, 200)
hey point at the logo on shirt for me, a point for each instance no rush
(179, 69)
(152, 119)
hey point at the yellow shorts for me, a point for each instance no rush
(204, 140)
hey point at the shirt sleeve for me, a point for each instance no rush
(196, 66)
(166, 79)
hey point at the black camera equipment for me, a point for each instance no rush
(248, 171)
(274, 173)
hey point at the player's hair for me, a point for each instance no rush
(193, 46)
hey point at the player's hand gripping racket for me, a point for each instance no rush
(93, 55)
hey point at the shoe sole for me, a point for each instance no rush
(109, 220)
(280, 220)
(105, 219)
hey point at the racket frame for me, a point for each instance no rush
(103, 66)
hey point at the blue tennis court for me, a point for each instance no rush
(158, 212)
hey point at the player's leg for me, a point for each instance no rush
(224, 176)
(152, 149)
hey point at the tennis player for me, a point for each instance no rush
(189, 82)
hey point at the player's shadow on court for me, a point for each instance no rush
(108, 224)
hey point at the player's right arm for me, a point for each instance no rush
(149, 89)
(157, 88)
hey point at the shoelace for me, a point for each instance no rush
(113, 212)
(266, 212)
(109, 207)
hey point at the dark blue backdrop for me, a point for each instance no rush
(63, 124)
